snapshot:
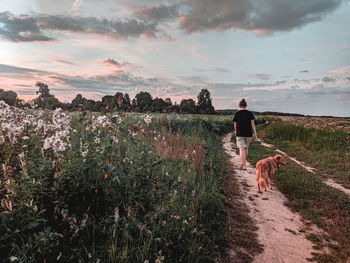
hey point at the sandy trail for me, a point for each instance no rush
(278, 226)
(312, 170)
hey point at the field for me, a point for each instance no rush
(319, 122)
(129, 187)
(110, 188)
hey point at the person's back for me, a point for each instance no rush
(244, 126)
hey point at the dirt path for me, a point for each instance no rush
(312, 170)
(278, 228)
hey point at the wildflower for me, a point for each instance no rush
(83, 222)
(106, 176)
(85, 153)
(148, 119)
(59, 256)
(116, 214)
(13, 258)
(57, 175)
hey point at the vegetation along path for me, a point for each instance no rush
(279, 229)
(310, 169)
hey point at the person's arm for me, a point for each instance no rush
(255, 135)
(235, 126)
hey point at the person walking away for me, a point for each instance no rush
(244, 130)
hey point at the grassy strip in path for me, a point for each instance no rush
(325, 206)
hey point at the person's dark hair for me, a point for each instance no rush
(242, 103)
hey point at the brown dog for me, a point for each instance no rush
(265, 171)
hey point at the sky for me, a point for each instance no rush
(280, 55)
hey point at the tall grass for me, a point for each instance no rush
(114, 196)
(311, 138)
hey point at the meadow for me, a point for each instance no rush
(83, 187)
(328, 151)
(131, 187)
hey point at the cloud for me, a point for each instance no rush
(21, 28)
(348, 79)
(217, 70)
(261, 17)
(262, 76)
(64, 62)
(157, 13)
(304, 71)
(306, 81)
(112, 63)
(195, 79)
(76, 5)
(34, 27)
(65, 87)
(329, 79)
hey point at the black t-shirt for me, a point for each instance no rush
(244, 126)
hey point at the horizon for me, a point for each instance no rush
(290, 57)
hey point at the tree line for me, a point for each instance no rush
(143, 102)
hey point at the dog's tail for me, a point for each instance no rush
(262, 184)
(259, 177)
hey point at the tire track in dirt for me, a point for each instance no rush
(278, 227)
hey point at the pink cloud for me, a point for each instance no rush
(111, 63)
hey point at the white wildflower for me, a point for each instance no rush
(148, 119)
(13, 258)
(85, 153)
(116, 214)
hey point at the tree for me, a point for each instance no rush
(109, 102)
(9, 97)
(51, 103)
(168, 101)
(188, 106)
(126, 99)
(90, 105)
(204, 103)
(45, 99)
(158, 105)
(44, 91)
(78, 101)
(126, 103)
(173, 109)
(143, 101)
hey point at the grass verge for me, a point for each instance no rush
(241, 234)
(324, 206)
(325, 150)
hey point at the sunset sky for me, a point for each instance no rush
(281, 55)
